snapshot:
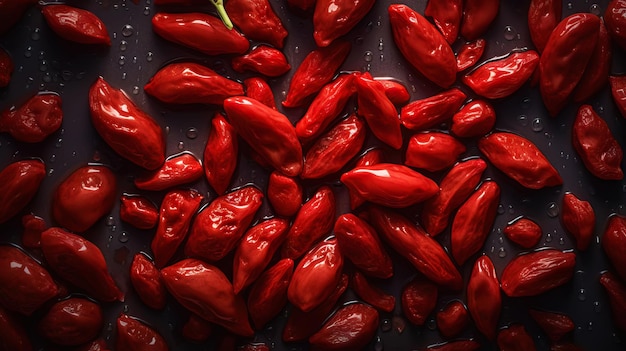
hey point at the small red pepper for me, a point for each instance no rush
(33, 227)
(615, 22)
(452, 319)
(352, 327)
(133, 334)
(618, 91)
(419, 298)
(579, 219)
(483, 297)
(543, 17)
(264, 60)
(77, 25)
(177, 170)
(257, 20)
(35, 120)
(372, 294)
(334, 18)
(616, 290)
(614, 243)
(469, 54)
(370, 157)
(447, 17)
(524, 232)
(515, 338)
(197, 329)
(475, 119)
(220, 154)
(477, 17)
(6, 67)
(457, 345)
(379, 112)
(72, 322)
(138, 211)
(395, 91)
(12, 333)
(191, 83)
(268, 295)
(284, 194)
(598, 68)
(433, 151)
(147, 281)
(555, 325)
(19, 182)
(258, 89)
(431, 111)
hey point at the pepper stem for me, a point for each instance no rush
(221, 11)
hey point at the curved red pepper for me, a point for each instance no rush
(6, 67)
(447, 17)
(616, 290)
(12, 333)
(80, 263)
(419, 298)
(35, 120)
(433, 151)
(191, 83)
(220, 154)
(555, 325)
(352, 327)
(138, 211)
(395, 91)
(618, 91)
(477, 17)
(177, 170)
(483, 297)
(197, 329)
(77, 25)
(475, 119)
(379, 112)
(257, 20)
(372, 294)
(370, 157)
(72, 322)
(452, 319)
(135, 335)
(543, 17)
(258, 89)
(598, 68)
(431, 111)
(524, 232)
(268, 294)
(19, 182)
(615, 22)
(469, 54)
(579, 219)
(284, 194)
(129, 131)
(33, 227)
(614, 243)
(515, 338)
(146, 279)
(334, 18)
(264, 60)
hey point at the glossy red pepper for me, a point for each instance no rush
(452, 319)
(35, 120)
(19, 182)
(555, 325)
(257, 20)
(197, 329)
(370, 157)
(177, 170)
(147, 282)
(11, 12)
(379, 112)
(457, 345)
(615, 22)
(372, 294)
(614, 243)
(579, 219)
(395, 91)
(520, 159)
(524, 232)
(315, 71)
(268, 295)
(313, 222)
(220, 154)
(268, 132)
(80, 263)
(6, 67)
(477, 17)
(258, 89)
(515, 338)
(134, 335)
(191, 83)
(217, 229)
(199, 31)
(618, 91)
(598, 68)
(447, 17)
(284, 194)
(72, 322)
(255, 251)
(264, 60)
(33, 227)
(206, 291)
(138, 211)
(129, 131)
(24, 284)
(77, 25)
(475, 119)
(422, 45)
(419, 298)
(433, 151)
(352, 327)
(483, 297)
(84, 197)
(534, 273)
(543, 17)
(432, 111)
(595, 144)
(616, 290)
(334, 18)
(12, 333)
(469, 54)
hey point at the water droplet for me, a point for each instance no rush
(135, 90)
(296, 50)
(134, 59)
(181, 145)
(552, 210)
(367, 56)
(570, 6)
(96, 156)
(537, 125)
(378, 346)
(113, 228)
(561, 241)
(358, 40)
(109, 327)
(53, 158)
(28, 52)
(35, 36)
(431, 324)
(501, 239)
(595, 9)
(124, 74)
(509, 33)
(385, 325)
(50, 172)
(590, 326)
(80, 75)
(127, 30)
(123, 45)
(192, 133)
(149, 56)
(123, 237)
(47, 77)
(523, 120)
(43, 66)
(146, 10)
(581, 295)
(511, 209)
(382, 58)
(399, 324)
(59, 143)
(122, 60)
(596, 307)
(381, 46)
(501, 209)
(502, 252)
(548, 237)
(110, 221)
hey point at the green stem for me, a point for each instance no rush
(221, 11)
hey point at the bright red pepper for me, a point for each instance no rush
(11, 12)
(370, 157)
(138, 211)
(520, 159)
(334, 18)
(257, 20)
(555, 325)
(77, 25)
(220, 154)
(191, 83)
(469, 54)
(543, 17)
(72, 322)
(422, 45)
(447, 17)
(372, 294)
(284, 194)
(579, 219)
(419, 298)
(264, 60)
(534, 273)
(19, 182)
(433, 151)
(258, 89)
(134, 335)
(614, 243)
(379, 112)
(199, 31)
(268, 132)
(515, 338)
(616, 290)
(6, 67)
(35, 120)
(352, 327)
(432, 111)
(618, 91)
(147, 282)
(197, 329)
(177, 170)
(483, 297)
(524, 232)
(33, 227)
(458, 345)
(268, 294)
(84, 197)
(615, 22)
(452, 319)
(598, 68)
(477, 17)
(129, 131)
(12, 333)
(475, 119)
(596, 145)
(395, 91)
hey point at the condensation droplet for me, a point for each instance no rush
(537, 125)
(501, 209)
(570, 6)
(192, 133)
(296, 50)
(124, 74)
(590, 326)
(509, 33)
(59, 142)
(385, 325)
(181, 145)
(123, 237)
(381, 46)
(127, 30)
(47, 77)
(113, 228)
(134, 59)
(36, 34)
(122, 60)
(431, 324)
(382, 58)
(596, 307)
(378, 346)
(43, 66)
(548, 237)
(581, 295)
(552, 210)
(146, 10)
(126, 308)
(110, 221)
(123, 45)
(523, 120)
(28, 52)
(511, 209)
(399, 324)
(595, 9)
(149, 56)
(135, 90)
(502, 252)
(96, 156)
(53, 158)
(562, 241)
(359, 40)
(367, 56)
(500, 239)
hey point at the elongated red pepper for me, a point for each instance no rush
(360, 244)
(370, 157)
(452, 319)
(255, 251)
(334, 18)
(264, 60)
(596, 145)
(524, 232)
(268, 294)
(220, 154)
(35, 120)
(284, 194)
(395, 91)
(543, 17)
(555, 325)
(199, 31)
(191, 83)
(72, 322)
(379, 112)
(372, 294)
(477, 17)
(447, 17)
(77, 25)
(314, 220)
(616, 290)
(147, 281)
(177, 170)
(419, 298)
(473, 221)
(257, 20)
(469, 54)
(515, 338)
(6, 67)
(133, 334)
(579, 219)
(197, 329)
(12, 333)
(483, 297)
(598, 68)
(333, 150)
(129, 131)
(431, 111)
(352, 327)
(258, 89)
(537, 272)
(268, 132)
(19, 182)
(80, 263)
(519, 159)
(618, 91)
(457, 345)
(433, 151)
(615, 22)
(475, 119)
(33, 227)
(614, 243)
(411, 242)
(138, 211)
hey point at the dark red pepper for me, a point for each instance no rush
(220, 154)
(134, 335)
(268, 295)
(484, 300)
(35, 120)
(579, 219)
(515, 338)
(598, 68)
(616, 290)
(19, 182)
(433, 151)
(350, 328)
(543, 17)
(177, 170)
(77, 25)
(555, 325)
(419, 298)
(11, 12)
(334, 18)
(477, 17)
(264, 60)
(257, 20)
(615, 22)
(452, 319)
(614, 243)
(618, 91)
(372, 294)
(475, 119)
(6, 67)
(431, 111)
(197, 329)
(447, 17)
(138, 211)
(12, 333)
(379, 112)
(33, 227)
(72, 322)
(469, 54)
(147, 281)
(258, 89)
(524, 232)
(284, 194)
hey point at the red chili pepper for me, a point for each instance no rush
(71, 322)
(422, 45)
(389, 185)
(477, 17)
(6, 67)
(191, 83)
(135, 335)
(24, 284)
(77, 25)
(11, 12)
(411, 242)
(534, 273)
(217, 229)
(370, 157)
(284, 194)
(447, 17)
(333, 150)
(197, 329)
(598, 68)
(264, 60)
(596, 145)
(84, 197)
(334, 18)
(379, 112)
(469, 54)
(555, 325)
(352, 327)
(220, 154)
(433, 151)
(618, 90)
(255, 251)
(475, 119)
(199, 31)
(515, 338)
(129, 131)
(35, 120)
(616, 290)
(524, 232)
(502, 77)
(419, 298)
(206, 291)
(458, 184)
(615, 22)
(565, 57)
(483, 297)
(138, 211)
(372, 294)
(33, 227)
(614, 243)
(520, 159)
(257, 20)
(452, 319)
(360, 244)
(19, 182)
(268, 132)
(177, 170)
(579, 219)
(395, 91)
(258, 89)
(543, 17)
(431, 111)
(147, 281)
(314, 220)
(12, 333)
(458, 345)
(268, 294)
